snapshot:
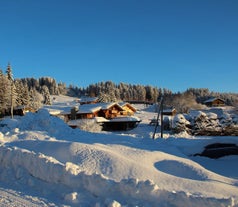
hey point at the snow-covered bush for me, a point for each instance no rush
(89, 125)
(180, 124)
(206, 124)
(235, 119)
(229, 124)
(211, 122)
(225, 120)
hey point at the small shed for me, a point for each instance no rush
(18, 110)
(169, 112)
(214, 102)
(122, 123)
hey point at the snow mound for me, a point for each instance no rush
(127, 191)
(41, 121)
(180, 169)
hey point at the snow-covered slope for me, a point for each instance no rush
(43, 162)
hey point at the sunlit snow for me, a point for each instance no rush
(44, 162)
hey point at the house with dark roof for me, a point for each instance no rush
(169, 112)
(214, 102)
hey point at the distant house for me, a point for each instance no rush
(19, 111)
(110, 110)
(111, 116)
(169, 112)
(214, 102)
(128, 108)
(88, 100)
(88, 111)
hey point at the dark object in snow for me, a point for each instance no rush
(218, 150)
(120, 124)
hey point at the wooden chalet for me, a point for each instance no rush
(111, 116)
(214, 102)
(129, 110)
(89, 111)
(110, 110)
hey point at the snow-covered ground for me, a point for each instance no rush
(43, 162)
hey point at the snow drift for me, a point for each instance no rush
(127, 191)
(44, 158)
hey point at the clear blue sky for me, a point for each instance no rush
(174, 44)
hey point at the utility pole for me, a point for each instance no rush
(157, 119)
(162, 119)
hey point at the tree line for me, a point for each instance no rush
(182, 101)
(34, 93)
(27, 92)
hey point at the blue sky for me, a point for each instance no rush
(174, 44)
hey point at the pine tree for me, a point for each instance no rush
(12, 100)
(4, 91)
(46, 94)
(22, 93)
(35, 99)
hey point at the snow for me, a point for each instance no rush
(125, 119)
(91, 108)
(44, 162)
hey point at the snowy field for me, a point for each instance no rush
(43, 162)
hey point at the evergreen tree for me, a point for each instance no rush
(35, 99)
(4, 93)
(149, 93)
(62, 88)
(22, 93)
(46, 95)
(12, 101)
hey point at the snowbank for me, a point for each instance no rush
(126, 192)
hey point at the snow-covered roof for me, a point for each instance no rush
(91, 108)
(54, 112)
(122, 104)
(100, 119)
(125, 119)
(88, 99)
(169, 110)
(88, 108)
(212, 99)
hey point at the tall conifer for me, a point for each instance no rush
(12, 88)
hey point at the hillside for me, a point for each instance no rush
(43, 162)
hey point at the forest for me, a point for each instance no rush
(32, 92)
